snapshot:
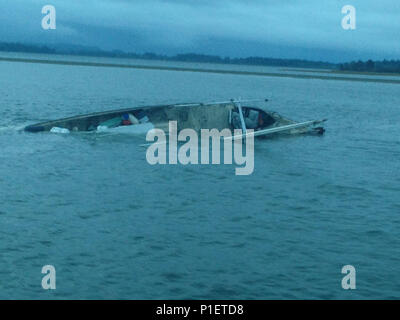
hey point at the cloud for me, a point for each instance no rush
(211, 26)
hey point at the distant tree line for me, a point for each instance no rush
(189, 57)
(18, 47)
(389, 66)
(392, 66)
(259, 61)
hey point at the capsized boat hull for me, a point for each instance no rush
(196, 116)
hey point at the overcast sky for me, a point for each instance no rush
(308, 29)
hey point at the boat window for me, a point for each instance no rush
(253, 118)
(266, 120)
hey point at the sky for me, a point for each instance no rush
(305, 29)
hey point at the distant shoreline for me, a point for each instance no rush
(370, 67)
(215, 71)
(361, 73)
(78, 50)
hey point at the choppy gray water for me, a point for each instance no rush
(115, 227)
